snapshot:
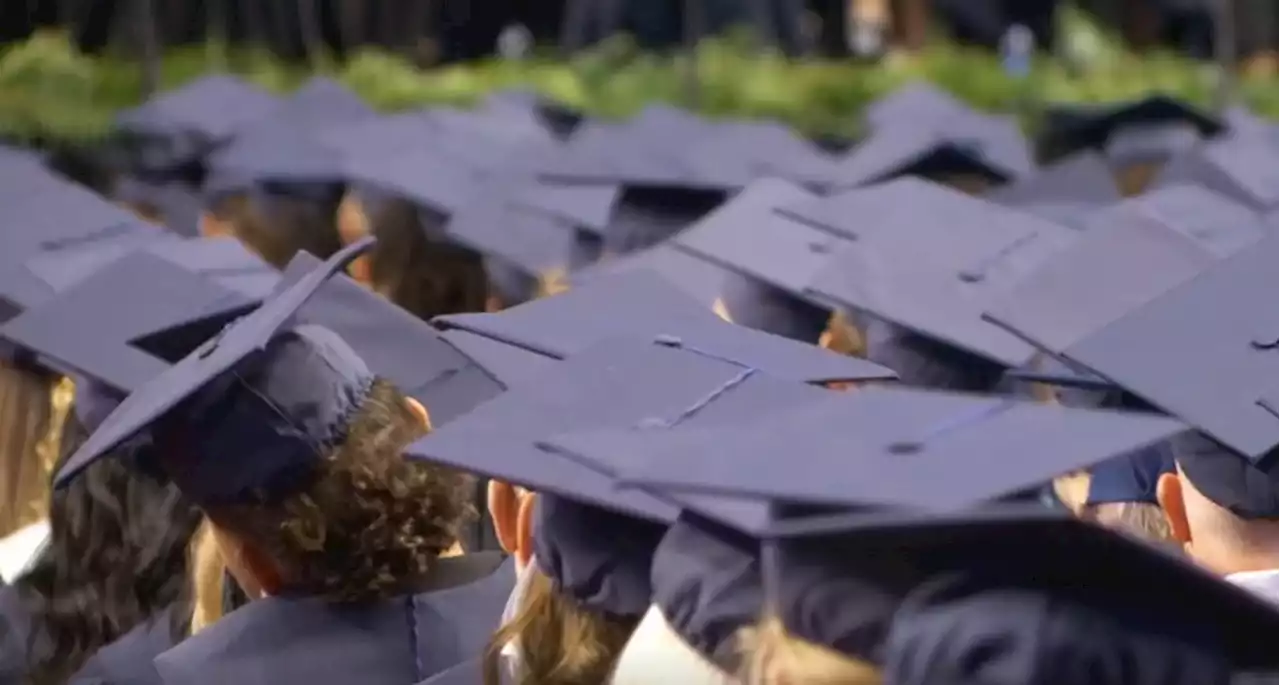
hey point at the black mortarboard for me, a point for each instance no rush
(1217, 340)
(898, 448)
(1064, 192)
(935, 275)
(913, 104)
(642, 305)
(123, 324)
(1242, 169)
(1154, 142)
(251, 409)
(1130, 478)
(396, 345)
(508, 364)
(587, 207)
(534, 243)
(1116, 266)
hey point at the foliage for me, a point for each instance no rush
(49, 91)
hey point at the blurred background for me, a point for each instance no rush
(67, 65)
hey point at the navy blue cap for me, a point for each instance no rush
(211, 109)
(896, 448)
(913, 104)
(935, 275)
(396, 345)
(1130, 478)
(585, 206)
(624, 383)
(1242, 169)
(251, 409)
(534, 243)
(119, 325)
(1219, 223)
(739, 152)
(698, 278)
(1064, 192)
(1215, 343)
(1113, 268)
(648, 216)
(508, 364)
(644, 306)
(1156, 142)
(1094, 127)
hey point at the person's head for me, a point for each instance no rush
(1122, 494)
(426, 277)
(565, 628)
(276, 226)
(117, 556)
(1139, 519)
(28, 444)
(772, 656)
(1220, 509)
(364, 523)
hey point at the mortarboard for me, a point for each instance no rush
(742, 151)
(396, 345)
(1130, 478)
(1214, 220)
(1111, 269)
(905, 151)
(1216, 334)
(1095, 127)
(1154, 142)
(1063, 192)
(535, 244)
(643, 305)
(697, 278)
(935, 275)
(887, 448)
(913, 104)
(507, 364)
(256, 405)
(1241, 169)
(587, 207)
(422, 177)
(123, 324)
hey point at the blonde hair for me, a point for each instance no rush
(208, 573)
(1142, 519)
(32, 410)
(772, 656)
(843, 337)
(560, 642)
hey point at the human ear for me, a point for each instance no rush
(1174, 505)
(504, 509)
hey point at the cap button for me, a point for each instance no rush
(972, 276)
(819, 247)
(668, 340)
(906, 447)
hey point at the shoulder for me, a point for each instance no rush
(130, 658)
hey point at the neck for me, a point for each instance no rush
(1227, 554)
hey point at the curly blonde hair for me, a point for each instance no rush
(369, 521)
(772, 656)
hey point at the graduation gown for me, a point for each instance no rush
(395, 641)
(129, 660)
(15, 630)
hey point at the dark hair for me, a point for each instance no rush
(277, 226)
(368, 522)
(117, 556)
(426, 277)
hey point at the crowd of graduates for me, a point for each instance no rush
(305, 393)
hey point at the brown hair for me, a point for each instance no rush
(772, 656)
(426, 277)
(291, 225)
(1141, 519)
(561, 643)
(30, 427)
(369, 522)
(1133, 178)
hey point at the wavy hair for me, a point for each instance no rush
(368, 522)
(117, 556)
(28, 444)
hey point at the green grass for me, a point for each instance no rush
(50, 92)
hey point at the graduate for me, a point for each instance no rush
(298, 467)
(1122, 494)
(930, 575)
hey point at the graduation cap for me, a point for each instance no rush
(928, 153)
(643, 305)
(173, 204)
(248, 421)
(585, 206)
(396, 345)
(420, 176)
(1100, 127)
(936, 275)
(124, 322)
(1063, 192)
(1241, 169)
(1217, 335)
(913, 104)
(624, 383)
(703, 281)
(742, 151)
(508, 364)
(1130, 478)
